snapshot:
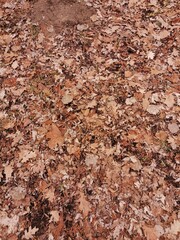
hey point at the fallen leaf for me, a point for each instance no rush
(84, 205)
(7, 123)
(54, 216)
(162, 135)
(17, 193)
(10, 222)
(175, 227)
(162, 34)
(26, 154)
(172, 142)
(8, 170)
(57, 228)
(159, 230)
(10, 82)
(19, 91)
(55, 137)
(28, 234)
(92, 104)
(2, 94)
(49, 194)
(150, 233)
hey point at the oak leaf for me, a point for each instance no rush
(55, 137)
(84, 205)
(28, 234)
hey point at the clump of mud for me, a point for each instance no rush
(53, 15)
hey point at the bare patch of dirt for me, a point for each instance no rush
(53, 15)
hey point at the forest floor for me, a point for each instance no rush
(89, 103)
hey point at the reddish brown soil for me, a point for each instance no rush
(52, 15)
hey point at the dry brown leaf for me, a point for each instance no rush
(49, 194)
(7, 123)
(28, 234)
(54, 216)
(57, 229)
(150, 233)
(8, 170)
(26, 154)
(162, 135)
(84, 205)
(55, 137)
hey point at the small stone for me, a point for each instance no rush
(67, 98)
(128, 74)
(173, 127)
(15, 65)
(91, 160)
(82, 27)
(130, 101)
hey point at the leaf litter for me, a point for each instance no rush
(89, 119)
